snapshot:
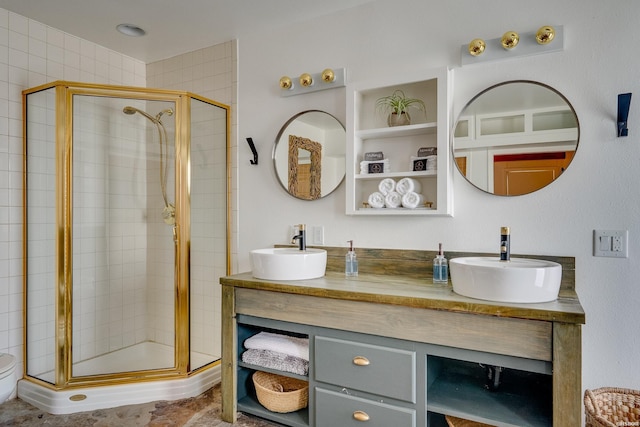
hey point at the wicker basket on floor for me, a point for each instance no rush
(281, 394)
(612, 407)
(459, 422)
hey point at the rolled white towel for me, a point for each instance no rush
(387, 185)
(408, 184)
(376, 200)
(393, 200)
(412, 200)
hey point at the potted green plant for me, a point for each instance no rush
(397, 105)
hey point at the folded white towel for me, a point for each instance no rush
(427, 163)
(393, 200)
(432, 163)
(412, 200)
(376, 200)
(408, 184)
(292, 346)
(387, 185)
(364, 165)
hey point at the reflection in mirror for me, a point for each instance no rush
(515, 138)
(309, 155)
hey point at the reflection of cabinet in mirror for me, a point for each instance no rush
(367, 131)
(516, 152)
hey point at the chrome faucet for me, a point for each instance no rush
(301, 237)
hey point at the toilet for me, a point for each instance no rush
(8, 378)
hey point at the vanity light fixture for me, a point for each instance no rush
(512, 45)
(327, 79)
(624, 102)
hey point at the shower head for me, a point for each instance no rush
(132, 110)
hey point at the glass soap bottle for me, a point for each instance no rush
(351, 262)
(440, 267)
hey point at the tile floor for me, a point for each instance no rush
(199, 411)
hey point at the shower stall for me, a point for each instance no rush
(126, 234)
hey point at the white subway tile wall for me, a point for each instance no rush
(209, 72)
(32, 54)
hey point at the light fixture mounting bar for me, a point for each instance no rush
(527, 46)
(318, 84)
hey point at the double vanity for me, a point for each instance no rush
(430, 352)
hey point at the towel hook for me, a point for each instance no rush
(253, 150)
(624, 102)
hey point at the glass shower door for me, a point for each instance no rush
(123, 184)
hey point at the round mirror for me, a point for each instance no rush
(309, 155)
(515, 138)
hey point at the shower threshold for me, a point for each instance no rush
(110, 396)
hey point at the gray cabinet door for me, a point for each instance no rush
(373, 369)
(336, 409)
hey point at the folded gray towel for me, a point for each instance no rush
(275, 360)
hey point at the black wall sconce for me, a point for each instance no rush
(624, 102)
(253, 150)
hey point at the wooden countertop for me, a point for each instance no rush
(413, 292)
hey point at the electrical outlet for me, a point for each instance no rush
(610, 243)
(317, 235)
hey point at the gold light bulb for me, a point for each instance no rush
(328, 75)
(510, 40)
(285, 82)
(545, 34)
(476, 47)
(306, 80)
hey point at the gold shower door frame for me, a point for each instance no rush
(65, 91)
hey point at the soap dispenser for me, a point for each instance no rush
(505, 244)
(440, 267)
(351, 262)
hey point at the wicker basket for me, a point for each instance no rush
(459, 422)
(281, 394)
(612, 407)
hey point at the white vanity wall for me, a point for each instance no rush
(597, 191)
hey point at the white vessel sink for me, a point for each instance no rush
(520, 280)
(288, 263)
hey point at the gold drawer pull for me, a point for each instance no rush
(361, 361)
(360, 416)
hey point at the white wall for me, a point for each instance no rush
(598, 191)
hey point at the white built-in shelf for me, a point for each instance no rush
(398, 132)
(368, 132)
(398, 175)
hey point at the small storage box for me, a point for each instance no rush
(281, 394)
(612, 407)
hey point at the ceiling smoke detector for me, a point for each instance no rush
(131, 30)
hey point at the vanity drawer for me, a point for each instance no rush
(336, 409)
(374, 369)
